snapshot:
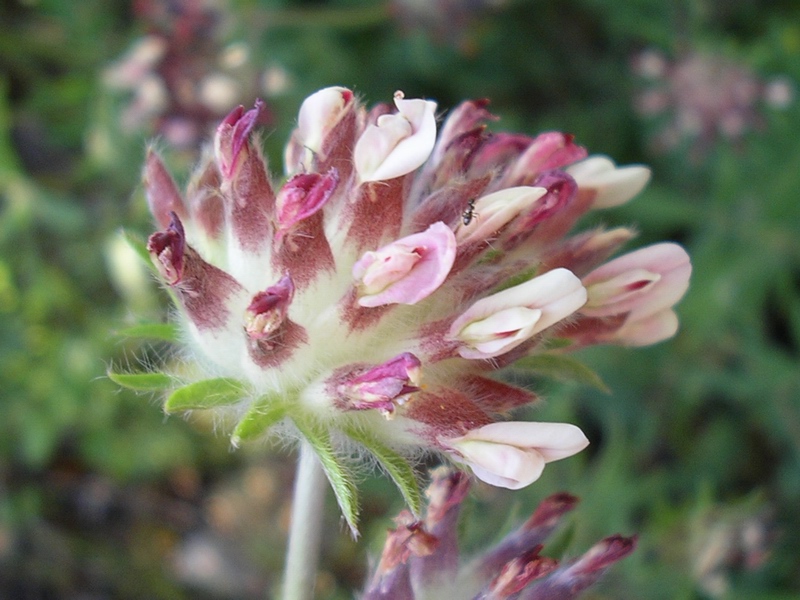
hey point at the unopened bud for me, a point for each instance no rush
(166, 250)
(382, 387)
(268, 309)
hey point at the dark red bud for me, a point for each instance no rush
(166, 250)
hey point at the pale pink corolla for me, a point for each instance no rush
(607, 184)
(513, 454)
(496, 324)
(408, 270)
(647, 330)
(493, 211)
(398, 143)
(318, 115)
(642, 283)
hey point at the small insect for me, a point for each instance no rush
(469, 213)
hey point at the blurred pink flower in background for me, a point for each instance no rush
(703, 98)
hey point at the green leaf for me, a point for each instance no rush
(142, 382)
(564, 368)
(167, 332)
(261, 416)
(395, 465)
(208, 393)
(339, 476)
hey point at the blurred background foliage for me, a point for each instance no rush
(696, 448)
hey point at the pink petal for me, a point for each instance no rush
(557, 294)
(553, 440)
(493, 211)
(610, 185)
(661, 272)
(649, 330)
(503, 466)
(319, 113)
(413, 279)
(399, 143)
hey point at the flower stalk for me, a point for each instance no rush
(305, 532)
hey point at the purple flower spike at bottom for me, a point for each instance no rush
(421, 558)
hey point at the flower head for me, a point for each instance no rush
(366, 300)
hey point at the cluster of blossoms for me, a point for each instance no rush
(421, 557)
(367, 300)
(704, 97)
(182, 81)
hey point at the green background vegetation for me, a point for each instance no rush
(697, 448)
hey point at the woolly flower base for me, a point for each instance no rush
(367, 299)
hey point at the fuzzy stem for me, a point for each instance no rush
(305, 532)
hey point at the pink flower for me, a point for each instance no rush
(493, 211)
(408, 270)
(398, 143)
(383, 387)
(302, 196)
(320, 116)
(498, 323)
(647, 330)
(641, 283)
(606, 185)
(513, 454)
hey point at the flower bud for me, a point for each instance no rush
(517, 573)
(446, 492)
(549, 150)
(550, 217)
(382, 387)
(464, 118)
(248, 196)
(162, 194)
(302, 196)
(231, 141)
(569, 581)
(391, 579)
(205, 203)
(530, 535)
(498, 151)
(166, 250)
(268, 310)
